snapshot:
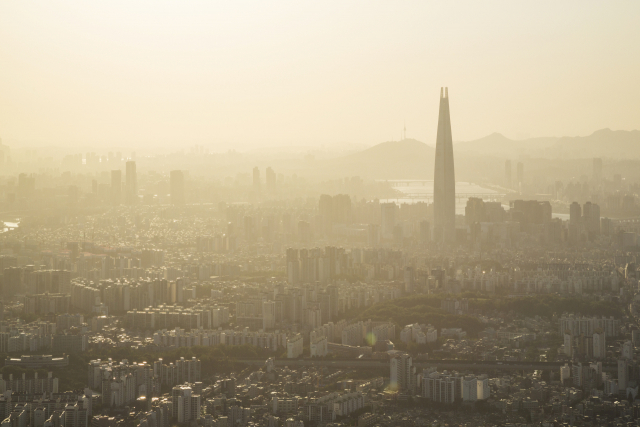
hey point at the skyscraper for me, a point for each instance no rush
(177, 187)
(116, 186)
(575, 213)
(444, 181)
(131, 183)
(507, 174)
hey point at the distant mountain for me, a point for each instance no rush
(499, 145)
(601, 143)
(482, 159)
(406, 159)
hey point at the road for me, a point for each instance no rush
(440, 364)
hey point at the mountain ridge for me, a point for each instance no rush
(413, 159)
(601, 143)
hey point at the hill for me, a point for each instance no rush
(483, 159)
(601, 143)
(406, 159)
(499, 145)
(409, 159)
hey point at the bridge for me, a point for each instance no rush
(487, 197)
(422, 190)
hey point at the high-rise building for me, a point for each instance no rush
(627, 350)
(13, 282)
(334, 210)
(575, 213)
(177, 187)
(591, 217)
(568, 343)
(532, 211)
(474, 211)
(186, 404)
(623, 375)
(507, 174)
(597, 169)
(425, 232)
(116, 187)
(256, 178)
(341, 209)
(402, 373)
(519, 176)
(444, 182)
(442, 388)
(131, 183)
(373, 235)
(388, 219)
(599, 344)
(271, 180)
(325, 209)
(268, 315)
(188, 370)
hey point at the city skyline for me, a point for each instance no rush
(190, 240)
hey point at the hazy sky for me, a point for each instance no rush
(311, 73)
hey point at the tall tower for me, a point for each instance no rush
(444, 181)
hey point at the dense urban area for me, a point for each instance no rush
(154, 299)
(319, 214)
